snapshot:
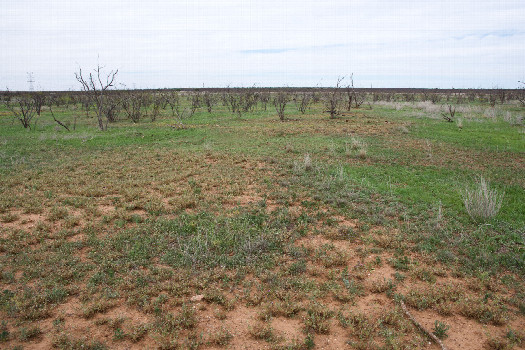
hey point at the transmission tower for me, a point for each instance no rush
(30, 80)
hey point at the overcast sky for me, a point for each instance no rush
(158, 44)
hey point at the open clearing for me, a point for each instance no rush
(248, 232)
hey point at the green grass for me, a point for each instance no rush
(145, 216)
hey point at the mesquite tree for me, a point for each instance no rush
(264, 97)
(353, 95)
(279, 101)
(209, 100)
(40, 100)
(249, 98)
(175, 103)
(158, 102)
(24, 109)
(233, 101)
(132, 102)
(302, 101)
(95, 85)
(332, 99)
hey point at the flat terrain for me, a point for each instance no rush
(245, 232)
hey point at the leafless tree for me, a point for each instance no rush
(112, 107)
(95, 85)
(332, 99)
(40, 100)
(302, 101)
(195, 101)
(352, 95)
(56, 120)
(233, 101)
(249, 98)
(133, 102)
(449, 117)
(209, 100)
(279, 101)
(158, 102)
(24, 109)
(264, 97)
(174, 101)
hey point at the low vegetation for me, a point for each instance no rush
(196, 219)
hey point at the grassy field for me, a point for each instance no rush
(248, 232)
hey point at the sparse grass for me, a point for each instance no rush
(65, 342)
(221, 337)
(264, 332)
(292, 220)
(30, 333)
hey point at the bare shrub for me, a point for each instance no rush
(175, 103)
(279, 101)
(96, 85)
(248, 99)
(307, 162)
(40, 101)
(24, 109)
(195, 101)
(209, 100)
(482, 202)
(112, 107)
(65, 126)
(449, 117)
(133, 102)
(158, 102)
(332, 99)
(264, 97)
(233, 101)
(302, 101)
(353, 95)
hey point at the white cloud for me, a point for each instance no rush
(190, 43)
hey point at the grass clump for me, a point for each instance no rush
(221, 337)
(482, 202)
(318, 319)
(440, 329)
(30, 333)
(4, 332)
(263, 331)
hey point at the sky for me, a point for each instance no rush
(242, 43)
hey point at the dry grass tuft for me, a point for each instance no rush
(482, 202)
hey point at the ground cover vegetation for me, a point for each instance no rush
(262, 218)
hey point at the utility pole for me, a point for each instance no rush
(30, 80)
